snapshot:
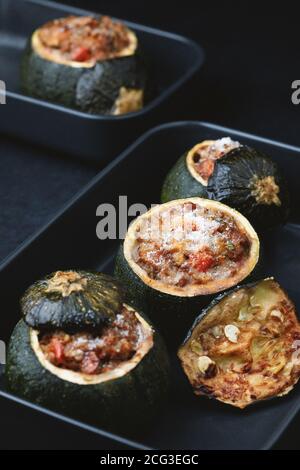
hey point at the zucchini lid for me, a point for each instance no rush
(242, 347)
(251, 182)
(199, 289)
(72, 301)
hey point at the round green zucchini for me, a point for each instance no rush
(243, 347)
(121, 403)
(173, 308)
(112, 86)
(119, 398)
(242, 178)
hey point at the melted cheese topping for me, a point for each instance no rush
(190, 244)
(245, 348)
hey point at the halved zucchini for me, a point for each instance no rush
(244, 347)
(232, 173)
(115, 376)
(178, 253)
(91, 64)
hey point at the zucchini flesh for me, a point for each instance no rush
(244, 347)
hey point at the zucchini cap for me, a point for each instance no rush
(72, 301)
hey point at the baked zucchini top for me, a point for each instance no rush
(191, 247)
(81, 41)
(72, 301)
(243, 348)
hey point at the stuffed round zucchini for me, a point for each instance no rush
(237, 175)
(91, 64)
(79, 349)
(245, 345)
(178, 253)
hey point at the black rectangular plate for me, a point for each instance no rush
(70, 241)
(173, 60)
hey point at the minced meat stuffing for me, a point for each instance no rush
(94, 353)
(190, 244)
(84, 38)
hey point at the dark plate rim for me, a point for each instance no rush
(272, 439)
(198, 61)
(74, 422)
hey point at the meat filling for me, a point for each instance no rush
(191, 245)
(84, 38)
(95, 354)
(205, 157)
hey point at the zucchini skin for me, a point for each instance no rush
(180, 184)
(92, 90)
(117, 405)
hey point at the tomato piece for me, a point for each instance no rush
(202, 261)
(81, 54)
(57, 349)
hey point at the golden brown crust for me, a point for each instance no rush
(252, 337)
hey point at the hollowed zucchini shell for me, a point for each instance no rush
(112, 86)
(124, 401)
(275, 342)
(243, 178)
(72, 301)
(172, 311)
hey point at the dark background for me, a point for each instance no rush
(252, 56)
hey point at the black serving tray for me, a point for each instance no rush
(172, 59)
(70, 241)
